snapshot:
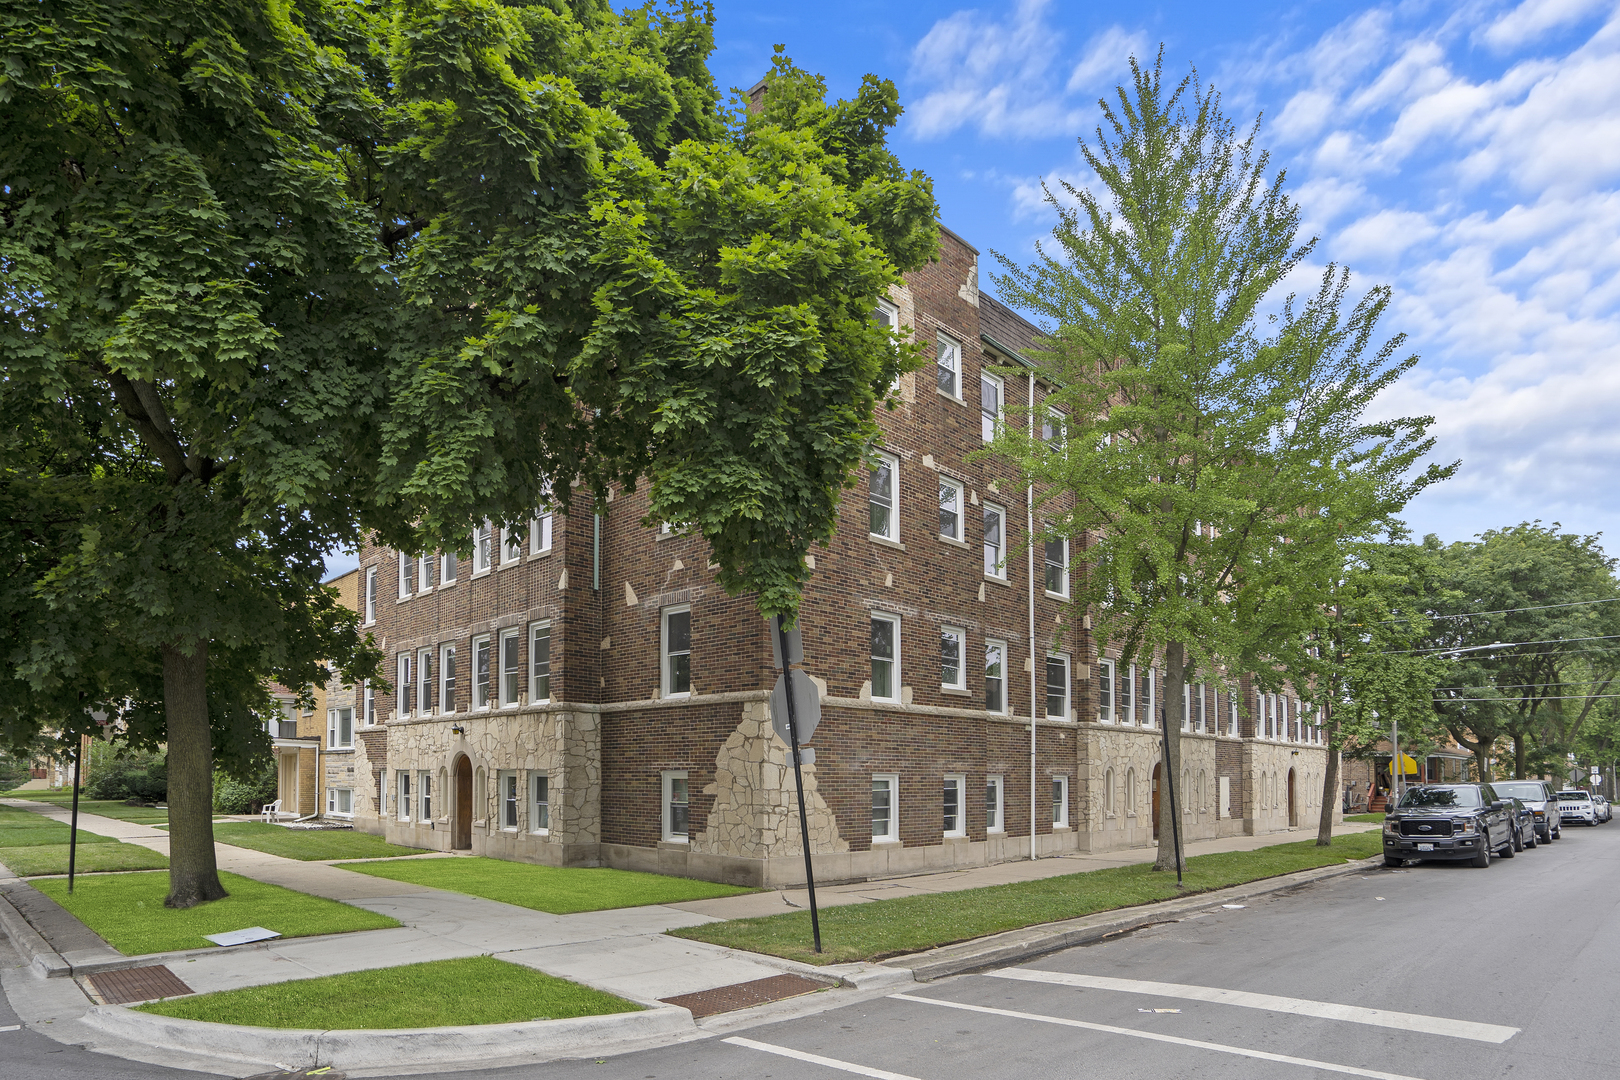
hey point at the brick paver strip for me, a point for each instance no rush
(742, 995)
(138, 984)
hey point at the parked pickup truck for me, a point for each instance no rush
(1539, 796)
(1449, 821)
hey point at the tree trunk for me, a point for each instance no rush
(1481, 759)
(1330, 780)
(1172, 852)
(193, 874)
(1518, 756)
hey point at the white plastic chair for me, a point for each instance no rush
(271, 812)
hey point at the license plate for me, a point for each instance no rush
(1425, 847)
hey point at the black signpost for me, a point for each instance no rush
(1170, 785)
(73, 834)
(784, 647)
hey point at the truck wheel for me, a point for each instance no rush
(1482, 857)
(1511, 848)
(1390, 860)
(1532, 840)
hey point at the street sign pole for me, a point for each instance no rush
(73, 834)
(798, 779)
(1170, 783)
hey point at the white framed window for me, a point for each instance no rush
(948, 365)
(885, 808)
(449, 564)
(1150, 697)
(675, 806)
(402, 792)
(447, 678)
(991, 392)
(368, 703)
(952, 651)
(424, 786)
(1203, 712)
(886, 315)
(1057, 567)
(511, 544)
(506, 794)
(1105, 691)
(340, 801)
(339, 729)
(424, 681)
(995, 820)
(540, 534)
(885, 657)
(371, 595)
(677, 651)
(1232, 718)
(424, 573)
(995, 542)
(953, 813)
(404, 575)
(511, 666)
(1127, 695)
(404, 689)
(950, 509)
(482, 654)
(883, 482)
(482, 540)
(539, 803)
(995, 676)
(1186, 707)
(1060, 802)
(1057, 686)
(1052, 428)
(539, 663)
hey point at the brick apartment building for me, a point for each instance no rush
(582, 692)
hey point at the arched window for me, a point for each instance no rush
(1108, 792)
(479, 809)
(1130, 791)
(1203, 792)
(1265, 791)
(1185, 795)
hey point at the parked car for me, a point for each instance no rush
(1538, 795)
(1524, 821)
(1450, 821)
(1605, 811)
(1577, 805)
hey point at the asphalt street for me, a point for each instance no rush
(1437, 972)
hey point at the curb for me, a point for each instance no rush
(371, 1049)
(1029, 942)
(44, 960)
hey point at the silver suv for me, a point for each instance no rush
(1543, 804)
(1576, 805)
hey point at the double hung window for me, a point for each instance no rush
(950, 509)
(993, 800)
(511, 544)
(481, 651)
(952, 674)
(1150, 698)
(424, 681)
(885, 809)
(1105, 691)
(507, 790)
(539, 803)
(1186, 707)
(995, 676)
(511, 668)
(677, 658)
(1057, 687)
(402, 792)
(1203, 712)
(1060, 802)
(880, 498)
(540, 534)
(990, 398)
(447, 679)
(995, 542)
(1057, 567)
(424, 573)
(1052, 428)
(885, 657)
(404, 574)
(340, 801)
(424, 780)
(371, 595)
(675, 806)
(954, 816)
(948, 366)
(1127, 695)
(886, 315)
(368, 703)
(540, 662)
(448, 564)
(481, 548)
(339, 729)
(403, 689)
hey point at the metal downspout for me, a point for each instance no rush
(1029, 524)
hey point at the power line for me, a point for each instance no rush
(1525, 686)
(1500, 645)
(1518, 701)
(1506, 611)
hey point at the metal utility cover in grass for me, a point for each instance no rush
(138, 984)
(743, 995)
(242, 937)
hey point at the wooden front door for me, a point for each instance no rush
(461, 827)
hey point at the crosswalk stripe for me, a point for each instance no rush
(11, 1027)
(1326, 1010)
(1175, 1040)
(817, 1059)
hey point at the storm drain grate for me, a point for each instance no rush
(138, 984)
(742, 995)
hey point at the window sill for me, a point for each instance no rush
(675, 842)
(954, 543)
(476, 574)
(1060, 828)
(995, 832)
(885, 841)
(885, 700)
(539, 832)
(1003, 582)
(1050, 595)
(659, 537)
(949, 396)
(406, 599)
(958, 837)
(340, 749)
(955, 692)
(884, 541)
(446, 584)
(675, 697)
(538, 554)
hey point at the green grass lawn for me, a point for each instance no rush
(892, 927)
(90, 859)
(308, 844)
(127, 910)
(1364, 817)
(141, 815)
(441, 993)
(559, 890)
(24, 828)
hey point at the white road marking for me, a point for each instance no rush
(1326, 1010)
(11, 1027)
(817, 1059)
(1153, 1036)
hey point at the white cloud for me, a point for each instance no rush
(1533, 18)
(1107, 57)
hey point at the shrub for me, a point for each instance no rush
(132, 775)
(233, 796)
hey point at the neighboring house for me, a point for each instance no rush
(581, 692)
(297, 738)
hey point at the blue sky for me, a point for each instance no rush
(1468, 154)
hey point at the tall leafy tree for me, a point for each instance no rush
(274, 274)
(1212, 462)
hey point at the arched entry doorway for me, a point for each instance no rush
(461, 818)
(1155, 810)
(1293, 811)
